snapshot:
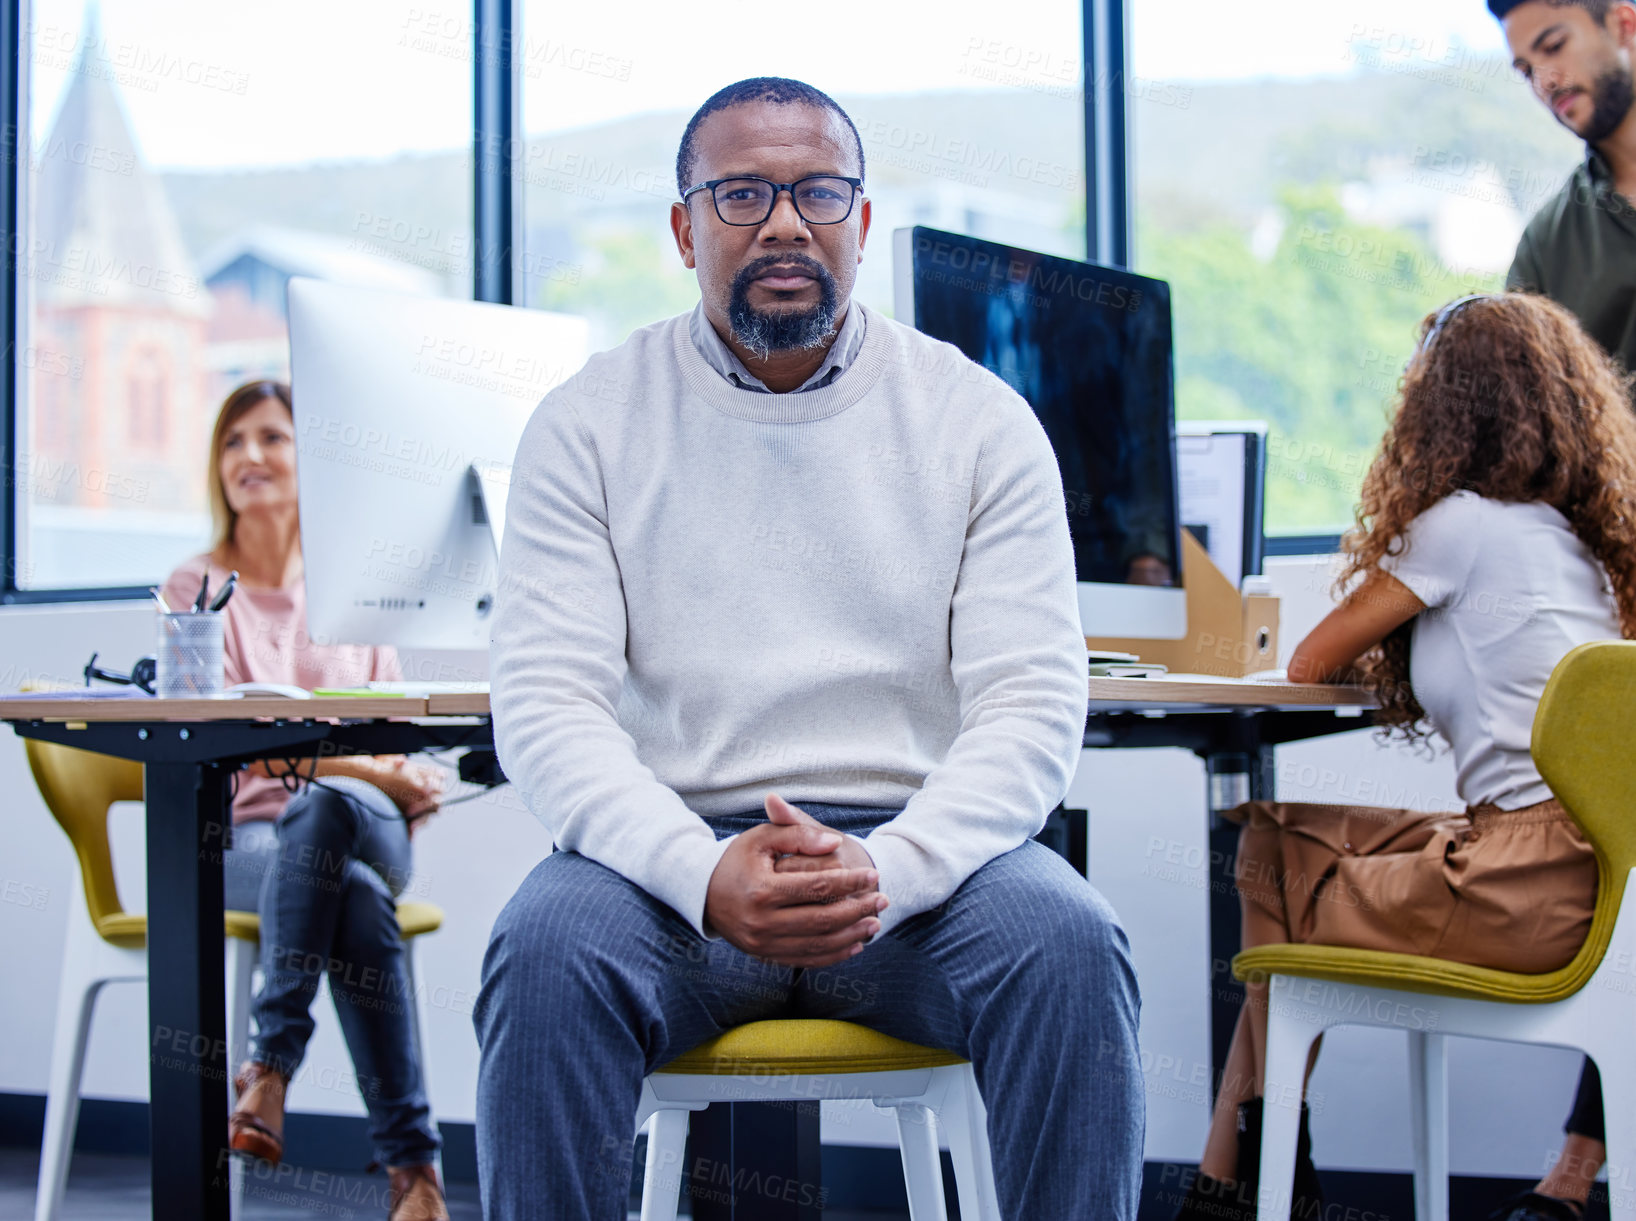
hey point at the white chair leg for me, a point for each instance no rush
(662, 1180)
(922, 1167)
(76, 1002)
(241, 965)
(965, 1120)
(1289, 1039)
(1429, 1102)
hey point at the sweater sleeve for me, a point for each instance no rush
(182, 585)
(558, 666)
(1017, 655)
(384, 664)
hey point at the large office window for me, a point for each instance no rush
(971, 119)
(1328, 174)
(185, 159)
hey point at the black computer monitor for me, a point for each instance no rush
(1089, 348)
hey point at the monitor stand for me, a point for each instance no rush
(491, 483)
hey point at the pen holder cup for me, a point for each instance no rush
(189, 655)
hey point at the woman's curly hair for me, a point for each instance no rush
(1511, 399)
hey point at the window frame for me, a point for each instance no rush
(497, 212)
(496, 100)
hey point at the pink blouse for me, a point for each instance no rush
(266, 641)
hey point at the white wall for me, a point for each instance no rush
(1508, 1102)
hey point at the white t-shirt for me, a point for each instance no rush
(1509, 590)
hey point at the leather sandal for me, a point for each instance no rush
(256, 1126)
(414, 1194)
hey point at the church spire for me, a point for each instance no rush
(103, 229)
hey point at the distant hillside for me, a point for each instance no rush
(1230, 150)
(1222, 155)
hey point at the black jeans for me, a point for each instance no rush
(1586, 1117)
(328, 886)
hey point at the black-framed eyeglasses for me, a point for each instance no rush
(821, 199)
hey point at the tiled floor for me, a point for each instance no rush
(102, 1187)
(106, 1188)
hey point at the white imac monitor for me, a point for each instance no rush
(408, 411)
(1089, 348)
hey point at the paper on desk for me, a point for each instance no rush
(1223, 679)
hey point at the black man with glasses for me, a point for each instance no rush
(788, 659)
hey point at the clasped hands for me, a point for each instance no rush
(794, 892)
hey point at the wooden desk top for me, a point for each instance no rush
(1105, 695)
(1138, 694)
(458, 703)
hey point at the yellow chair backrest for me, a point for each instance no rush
(1584, 745)
(79, 786)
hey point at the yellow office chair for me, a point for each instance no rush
(1585, 748)
(106, 944)
(800, 1060)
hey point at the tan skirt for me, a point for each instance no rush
(1510, 889)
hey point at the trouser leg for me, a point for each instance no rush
(354, 826)
(588, 985)
(320, 834)
(1026, 971)
(369, 982)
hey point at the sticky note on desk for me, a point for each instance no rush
(357, 693)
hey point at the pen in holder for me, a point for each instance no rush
(190, 654)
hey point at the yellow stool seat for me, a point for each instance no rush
(131, 931)
(806, 1045)
(807, 1060)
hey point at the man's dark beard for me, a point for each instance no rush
(782, 330)
(1612, 96)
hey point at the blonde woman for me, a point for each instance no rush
(321, 859)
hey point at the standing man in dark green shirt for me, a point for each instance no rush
(1579, 56)
(1580, 248)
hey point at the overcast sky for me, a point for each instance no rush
(307, 80)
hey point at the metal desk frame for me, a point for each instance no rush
(188, 767)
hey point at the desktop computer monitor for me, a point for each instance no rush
(408, 411)
(1089, 348)
(1221, 481)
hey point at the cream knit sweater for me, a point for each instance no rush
(860, 594)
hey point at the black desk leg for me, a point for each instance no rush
(1229, 780)
(755, 1161)
(187, 1026)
